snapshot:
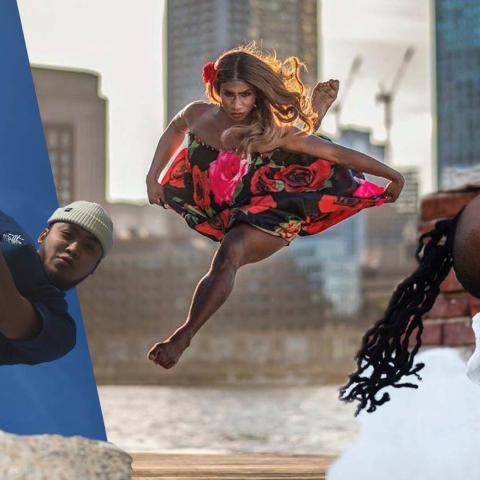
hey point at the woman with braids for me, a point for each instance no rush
(386, 356)
(253, 177)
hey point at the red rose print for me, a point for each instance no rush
(317, 225)
(177, 169)
(331, 203)
(216, 225)
(370, 190)
(299, 178)
(208, 230)
(221, 220)
(260, 204)
(225, 173)
(263, 181)
(327, 203)
(201, 188)
(312, 226)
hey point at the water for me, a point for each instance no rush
(294, 420)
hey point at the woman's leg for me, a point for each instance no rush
(242, 245)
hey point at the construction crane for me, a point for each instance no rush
(337, 108)
(387, 96)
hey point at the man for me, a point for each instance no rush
(35, 325)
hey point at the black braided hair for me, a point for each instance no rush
(385, 355)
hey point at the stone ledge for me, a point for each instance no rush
(54, 457)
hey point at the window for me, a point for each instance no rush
(60, 149)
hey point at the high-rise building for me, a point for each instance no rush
(457, 86)
(143, 288)
(377, 239)
(331, 262)
(360, 139)
(389, 232)
(289, 27)
(332, 259)
(73, 114)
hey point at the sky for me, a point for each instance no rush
(122, 41)
(380, 34)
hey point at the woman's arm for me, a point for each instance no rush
(168, 144)
(299, 142)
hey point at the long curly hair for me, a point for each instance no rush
(386, 356)
(282, 100)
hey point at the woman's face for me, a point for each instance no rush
(68, 253)
(238, 99)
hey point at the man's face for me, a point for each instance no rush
(68, 253)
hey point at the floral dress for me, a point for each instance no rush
(282, 193)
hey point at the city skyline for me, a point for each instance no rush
(381, 35)
(239, 21)
(333, 283)
(132, 82)
(458, 103)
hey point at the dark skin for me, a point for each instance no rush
(466, 247)
(243, 244)
(323, 95)
(68, 254)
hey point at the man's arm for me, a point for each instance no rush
(18, 318)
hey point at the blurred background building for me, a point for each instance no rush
(457, 53)
(311, 300)
(73, 115)
(142, 291)
(289, 28)
(358, 262)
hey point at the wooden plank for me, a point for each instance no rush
(151, 466)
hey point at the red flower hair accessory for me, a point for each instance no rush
(209, 72)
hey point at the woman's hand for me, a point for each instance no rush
(169, 143)
(394, 188)
(165, 354)
(156, 192)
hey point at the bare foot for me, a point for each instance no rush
(323, 95)
(167, 353)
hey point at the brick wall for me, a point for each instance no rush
(449, 321)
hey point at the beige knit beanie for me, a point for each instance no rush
(92, 217)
